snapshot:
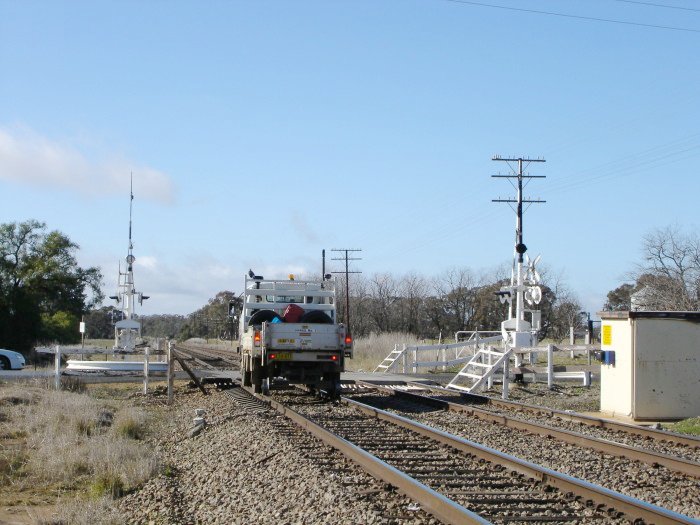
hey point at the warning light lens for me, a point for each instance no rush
(256, 338)
(334, 358)
(348, 340)
(272, 356)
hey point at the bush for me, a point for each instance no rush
(107, 484)
(131, 424)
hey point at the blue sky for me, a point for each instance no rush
(260, 132)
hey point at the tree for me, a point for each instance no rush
(668, 278)
(163, 325)
(383, 292)
(43, 290)
(489, 313)
(671, 269)
(620, 298)
(457, 287)
(212, 320)
(99, 323)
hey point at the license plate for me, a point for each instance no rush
(283, 356)
(286, 341)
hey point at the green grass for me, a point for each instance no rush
(687, 426)
(130, 428)
(107, 484)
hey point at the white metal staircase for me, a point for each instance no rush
(390, 360)
(477, 371)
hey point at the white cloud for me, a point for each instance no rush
(29, 158)
(180, 285)
(147, 261)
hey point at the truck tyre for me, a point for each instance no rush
(316, 316)
(262, 316)
(257, 376)
(332, 381)
(246, 371)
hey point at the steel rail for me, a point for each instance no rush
(204, 353)
(665, 435)
(684, 466)
(437, 504)
(632, 508)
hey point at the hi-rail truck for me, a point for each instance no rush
(288, 329)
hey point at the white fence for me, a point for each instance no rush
(413, 358)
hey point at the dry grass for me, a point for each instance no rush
(99, 511)
(54, 443)
(371, 350)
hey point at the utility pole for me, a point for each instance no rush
(347, 273)
(516, 278)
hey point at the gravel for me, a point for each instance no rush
(654, 484)
(249, 465)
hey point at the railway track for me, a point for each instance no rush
(650, 482)
(457, 480)
(653, 447)
(210, 357)
(606, 426)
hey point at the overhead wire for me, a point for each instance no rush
(579, 17)
(650, 158)
(652, 4)
(447, 229)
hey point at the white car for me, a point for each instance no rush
(11, 360)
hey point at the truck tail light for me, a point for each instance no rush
(348, 340)
(334, 358)
(271, 356)
(256, 338)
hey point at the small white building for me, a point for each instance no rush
(650, 364)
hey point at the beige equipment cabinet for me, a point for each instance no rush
(653, 372)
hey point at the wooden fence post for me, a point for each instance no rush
(57, 378)
(145, 371)
(171, 372)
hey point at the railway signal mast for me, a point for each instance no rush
(524, 280)
(127, 332)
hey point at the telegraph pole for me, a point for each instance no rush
(516, 279)
(347, 273)
(520, 248)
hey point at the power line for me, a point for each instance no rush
(651, 4)
(579, 17)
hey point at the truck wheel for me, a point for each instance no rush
(245, 369)
(257, 376)
(333, 385)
